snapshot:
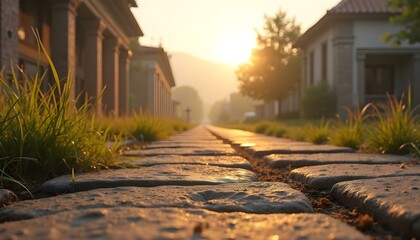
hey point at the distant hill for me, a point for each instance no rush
(213, 81)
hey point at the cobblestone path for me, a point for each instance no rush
(216, 183)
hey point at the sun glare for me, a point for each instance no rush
(236, 48)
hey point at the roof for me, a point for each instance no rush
(348, 9)
(361, 6)
(161, 57)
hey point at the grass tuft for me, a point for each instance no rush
(43, 133)
(395, 125)
(318, 134)
(351, 131)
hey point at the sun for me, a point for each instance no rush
(236, 48)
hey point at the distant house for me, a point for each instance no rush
(345, 48)
(89, 38)
(151, 82)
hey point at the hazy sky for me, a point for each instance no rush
(217, 30)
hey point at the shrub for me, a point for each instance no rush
(318, 101)
(261, 127)
(276, 130)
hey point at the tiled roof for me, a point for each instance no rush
(361, 7)
(346, 9)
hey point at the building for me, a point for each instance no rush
(88, 38)
(345, 48)
(152, 82)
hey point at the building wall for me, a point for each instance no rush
(370, 34)
(9, 12)
(89, 39)
(150, 91)
(370, 47)
(316, 47)
(351, 46)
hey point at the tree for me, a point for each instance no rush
(189, 98)
(218, 111)
(273, 70)
(409, 19)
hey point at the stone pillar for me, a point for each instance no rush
(63, 38)
(343, 68)
(111, 75)
(361, 81)
(150, 91)
(9, 12)
(156, 95)
(415, 84)
(124, 82)
(93, 60)
(161, 96)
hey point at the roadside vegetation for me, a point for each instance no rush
(392, 128)
(142, 127)
(44, 133)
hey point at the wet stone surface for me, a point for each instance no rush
(220, 161)
(325, 176)
(176, 174)
(187, 145)
(257, 197)
(394, 201)
(187, 141)
(204, 151)
(301, 160)
(295, 148)
(173, 223)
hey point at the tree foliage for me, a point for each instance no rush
(273, 69)
(189, 98)
(409, 19)
(218, 111)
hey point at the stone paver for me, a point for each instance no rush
(194, 186)
(220, 161)
(301, 160)
(172, 223)
(394, 201)
(325, 176)
(184, 138)
(215, 151)
(176, 174)
(186, 145)
(259, 139)
(7, 197)
(257, 197)
(230, 133)
(295, 148)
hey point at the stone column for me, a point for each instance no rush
(111, 75)
(124, 82)
(156, 95)
(415, 84)
(9, 12)
(63, 38)
(93, 60)
(361, 81)
(160, 99)
(150, 91)
(343, 64)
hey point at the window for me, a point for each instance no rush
(324, 56)
(29, 18)
(379, 80)
(311, 68)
